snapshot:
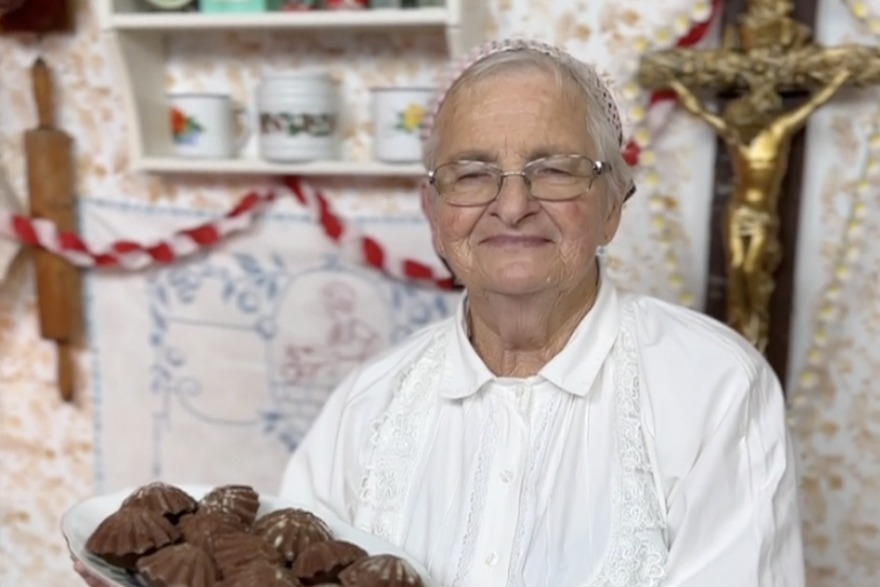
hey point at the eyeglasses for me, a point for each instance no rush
(556, 178)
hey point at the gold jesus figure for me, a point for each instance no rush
(758, 136)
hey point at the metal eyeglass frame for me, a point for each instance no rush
(597, 168)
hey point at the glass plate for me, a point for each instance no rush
(81, 520)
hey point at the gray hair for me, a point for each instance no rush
(600, 126)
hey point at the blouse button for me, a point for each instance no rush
(506, 476)
(492, 559)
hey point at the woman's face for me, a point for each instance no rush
(517, 245)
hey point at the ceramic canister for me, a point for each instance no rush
(299, 116)
(345, 4)
(398, 116)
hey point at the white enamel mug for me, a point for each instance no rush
(398, 117)
(207, 126)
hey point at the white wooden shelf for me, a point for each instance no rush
(138, 43)
(260, 167)
(316, 19)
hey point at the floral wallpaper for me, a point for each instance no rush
(46, 452)
(832, 389)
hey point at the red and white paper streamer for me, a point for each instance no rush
(367, 249)
(129, 254)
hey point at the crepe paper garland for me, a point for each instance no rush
(663, 210)
(367, 249)
(829, 312)
(862, 11)
(693, 29)
(128, 254)
(132, 255)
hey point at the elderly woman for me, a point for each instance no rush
(554, 431)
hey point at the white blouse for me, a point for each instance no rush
(652, 450)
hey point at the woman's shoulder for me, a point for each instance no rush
(676, 332)
(701, 383)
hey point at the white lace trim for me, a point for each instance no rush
(398, 439)
(637, 551)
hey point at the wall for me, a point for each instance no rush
(835, 355)
(47, 451)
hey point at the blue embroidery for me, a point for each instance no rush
(255, 302)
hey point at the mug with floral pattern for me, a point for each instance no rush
(398, 117)
(207, 126)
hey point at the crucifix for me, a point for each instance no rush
(762, 73)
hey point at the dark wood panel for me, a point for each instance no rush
(40, 16)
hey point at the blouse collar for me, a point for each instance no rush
(573, 369)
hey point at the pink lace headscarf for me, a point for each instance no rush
(609, 104)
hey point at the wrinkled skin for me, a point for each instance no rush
(529, 267)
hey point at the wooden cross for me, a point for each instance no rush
(768, 62)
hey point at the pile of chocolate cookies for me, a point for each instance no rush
(171, 540)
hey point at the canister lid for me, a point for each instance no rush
(402, 89)
(307, 73)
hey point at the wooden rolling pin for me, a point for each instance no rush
(51, 195)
